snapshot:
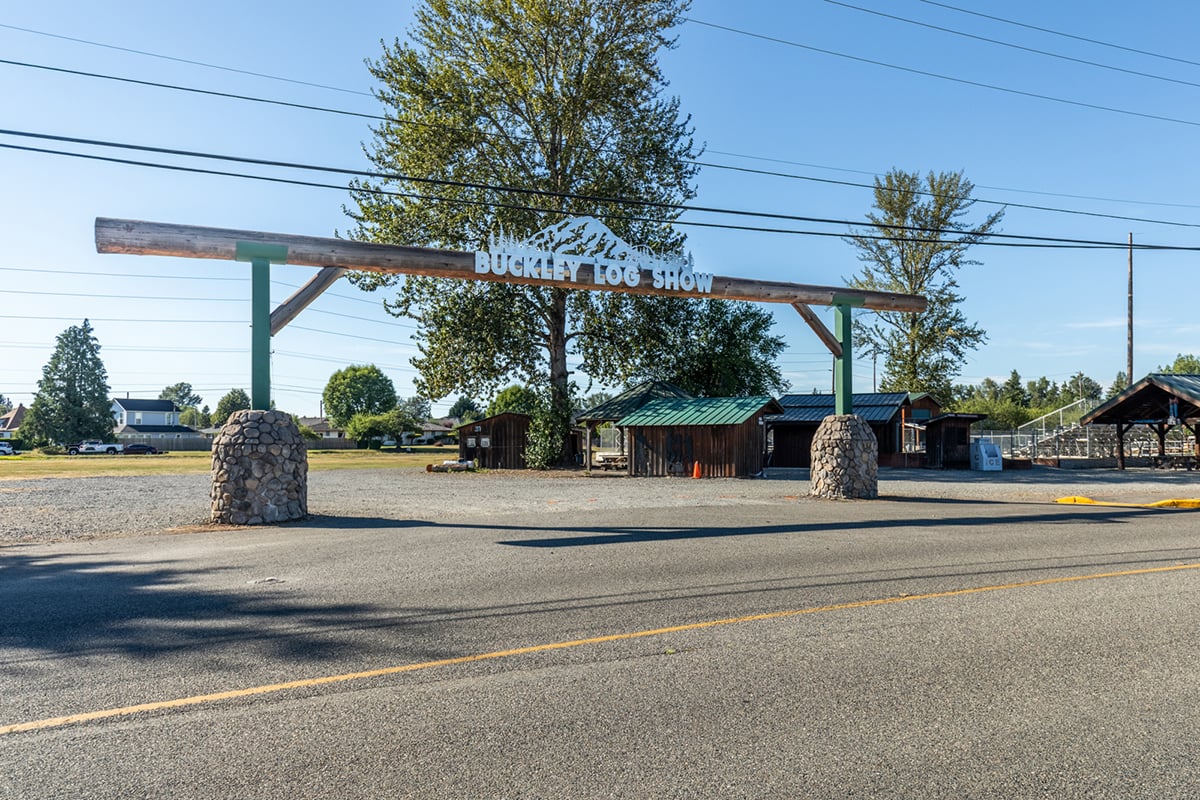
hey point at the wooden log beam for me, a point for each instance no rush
(189, 241)
(824, 334)
(289, 309)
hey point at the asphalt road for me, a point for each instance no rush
(946, 649)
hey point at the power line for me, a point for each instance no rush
(133, 348)
(331, 360)
(348, 335)
(1001, 43)
(979, 186)
(709, 165)
(127, 296)
(923, 192)
(400, 325)
(98, 273)
(1019, 240)
(951, 78)
(1062, 33)
(180, 60)
(192, 90)
(78, 317)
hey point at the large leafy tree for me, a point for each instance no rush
(563, 99)
(918, 241)
(724, 349)
(196, 417)
(72, 401)
(393, 423)
(182, 395)
(234, 400)
(5, 405)
(357, 389)
(515, 400)
(418, 407)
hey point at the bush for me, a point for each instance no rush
(547, 430)
(51, 450)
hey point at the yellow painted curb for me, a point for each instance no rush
(1087, 501)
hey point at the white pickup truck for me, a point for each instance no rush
(94, 447)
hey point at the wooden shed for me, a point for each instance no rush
(948, 440)
(621, 406)
(726, 436)
(793, 429)
(495, 442)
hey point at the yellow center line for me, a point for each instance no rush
(56, 722)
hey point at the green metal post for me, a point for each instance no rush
(260, 256)
(260, 334)
(842, 378)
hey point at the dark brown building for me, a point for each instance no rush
(948, 440)
(726, 436)
(793, 430)
(495, 442)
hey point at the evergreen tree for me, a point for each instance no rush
(466, 409)
(917, 243)
(1079, 387)
(1041, 392)
(72, 402)
(565, 98)
(1183, 365)
(1119, 384)
(1013, 392)
(5, 405)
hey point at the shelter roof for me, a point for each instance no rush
(956, 415)
(631, 400)
(675, 411)
(858, 399)
(134, 404)
(1149, 400)
(871, 406)
(134, 429)
(13, 419)
(915, 396)
(493, 418)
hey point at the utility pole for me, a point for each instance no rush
(1129, 339)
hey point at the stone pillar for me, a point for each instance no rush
(845, 459)
(259, 470)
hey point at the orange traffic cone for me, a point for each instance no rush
(696, 470)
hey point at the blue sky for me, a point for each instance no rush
(776, 104)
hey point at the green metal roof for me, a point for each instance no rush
(631, 400)
(699, 411)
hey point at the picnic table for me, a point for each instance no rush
(1174, 461)
(613, 461)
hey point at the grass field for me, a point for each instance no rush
(29, 466)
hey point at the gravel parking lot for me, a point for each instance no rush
(79, 508)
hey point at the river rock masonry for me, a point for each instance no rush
(259, 470)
